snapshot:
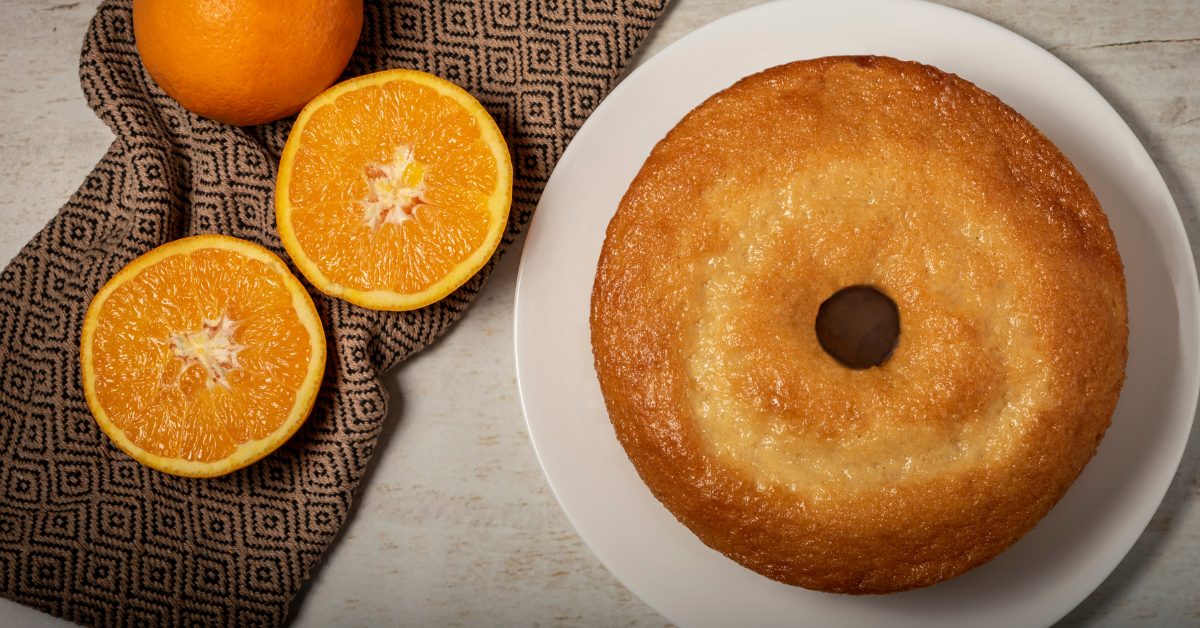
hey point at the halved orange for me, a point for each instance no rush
(394, 189)
(202, 356)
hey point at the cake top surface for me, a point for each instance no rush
(810, 178)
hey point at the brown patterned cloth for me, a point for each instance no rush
(88, 534)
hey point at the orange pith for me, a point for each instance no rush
(393, 189)
(202, 356)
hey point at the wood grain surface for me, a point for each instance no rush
(456, 525)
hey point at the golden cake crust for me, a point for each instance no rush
(818, 175)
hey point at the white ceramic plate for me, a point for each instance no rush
(1072, 550)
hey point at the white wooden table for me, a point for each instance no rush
(455, 525)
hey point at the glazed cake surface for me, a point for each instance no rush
(809, 178)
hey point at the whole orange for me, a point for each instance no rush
(246, 62)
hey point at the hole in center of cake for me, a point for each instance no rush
(859, 326)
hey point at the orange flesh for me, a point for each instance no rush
(200, 353)
(389, 187)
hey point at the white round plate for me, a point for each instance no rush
(1075, 547)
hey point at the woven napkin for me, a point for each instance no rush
(88, 534)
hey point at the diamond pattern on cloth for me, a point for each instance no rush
(91, 536)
